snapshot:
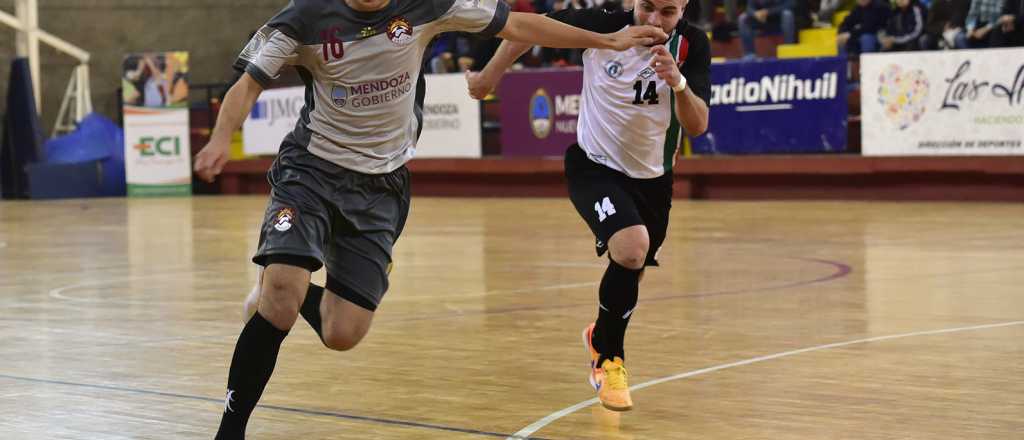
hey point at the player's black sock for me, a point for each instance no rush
(619, 290)
(311, 309)
(251, 367)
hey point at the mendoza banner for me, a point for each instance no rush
(451, 119)
(949, 103)
(777, 106)
(539, 110)
(156, 124)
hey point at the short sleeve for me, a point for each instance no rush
(697, 65)
(484, 17)
(272, 47)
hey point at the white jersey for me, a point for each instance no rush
(627, 117)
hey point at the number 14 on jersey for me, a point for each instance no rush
(604, 209)
(651, 95)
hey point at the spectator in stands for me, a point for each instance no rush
(763, 14)
(450, 53)
(821, 16)
(859, 31)
(982, 18)
(1010, 26)
(905, 27)
(707, 15)
(945, 26)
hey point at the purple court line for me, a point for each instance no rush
(841, 270)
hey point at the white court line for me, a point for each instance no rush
(60, 292)
(539, 424)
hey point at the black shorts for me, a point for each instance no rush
(610, 201)
(321, 214)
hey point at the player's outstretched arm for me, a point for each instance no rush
(544, 31)
(237, 104)
(482, 83)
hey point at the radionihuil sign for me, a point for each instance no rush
(963, 102)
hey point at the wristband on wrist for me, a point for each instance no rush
(681, 86)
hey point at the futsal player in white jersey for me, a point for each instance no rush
(637, 105)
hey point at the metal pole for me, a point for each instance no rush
(28, 43)
(21, 37)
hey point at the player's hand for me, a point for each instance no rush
(211, 159)
(479, 84)
(665, 66)
(636, 36)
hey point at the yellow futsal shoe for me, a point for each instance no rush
(613, 392)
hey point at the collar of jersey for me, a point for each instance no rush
(364, 15)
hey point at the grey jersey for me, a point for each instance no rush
(364, 88)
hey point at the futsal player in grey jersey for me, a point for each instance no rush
(635, 104)
(340, 188)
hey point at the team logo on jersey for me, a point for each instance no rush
(367, 32)
(613, 69)
(339, 95)
(400, 31)
(283, 220)
(541, 115)
(646, 73)
(259, 39)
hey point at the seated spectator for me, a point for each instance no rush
(945, 26)
(981, 20)
(859, 31)
(762, 14)
(824, 10)
(449, 53)
(905, 27)
(707, 13)
(1009, 31)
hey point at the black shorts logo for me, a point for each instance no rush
(283, 220)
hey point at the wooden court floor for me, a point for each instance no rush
(781, 320)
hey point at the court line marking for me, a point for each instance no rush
(841, 270)
(311, 412)
(550, 418)
(60, 292)
(494, 292)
